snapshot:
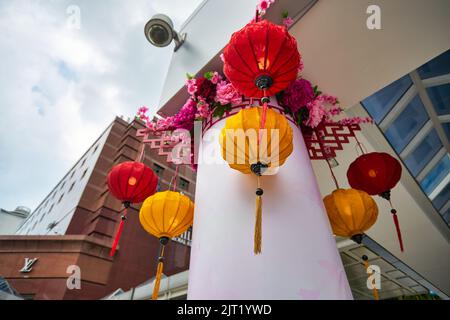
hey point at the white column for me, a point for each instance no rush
(299, 257)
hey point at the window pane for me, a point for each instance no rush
(440, 96)
(435, 176)
(407, 124)
(446, 127)
(436, 67)
(442, 197)
(446, 216)
(381, 102)
(423, 153)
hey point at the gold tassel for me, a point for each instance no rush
(159, 271)
(374, 290)
(258, 220)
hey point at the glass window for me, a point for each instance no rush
(184, 184)
(440, 96)
(423, 153)
(446, 216)
(84, 174)
(158, 170)
(436, 67)
(60, 198)
(71, 186)
(442, 197)
(407, 124)
(435, 176)
(446, 127)
(381, 102)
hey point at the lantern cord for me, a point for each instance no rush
(360, 146)
(173, 181)
(397, 226)
(374, 290)
(159, 271)
(332, 174)
(141, 153)
(119, 232)
(263, 116)
(258, 218)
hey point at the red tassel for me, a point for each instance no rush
(119, 232)
(397, 227)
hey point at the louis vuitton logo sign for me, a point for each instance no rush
(28, 265)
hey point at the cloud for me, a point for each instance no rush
(60, 87)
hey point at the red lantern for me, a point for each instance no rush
(130, 182)
(261, 59)
(377, 173)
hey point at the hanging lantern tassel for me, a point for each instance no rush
(387, 195)
(374, 290)
(258, 219)
(257, 170)
(119, 231)
(397, 227)
(159, 270)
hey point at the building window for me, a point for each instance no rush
(51, 208)
(184, 184)
(62, 185)
(407, 124)
(71, 186)
(71, 176)
(60, 198)
(95, 149)
(84, 174)
(379, 104)
(82, 164)
(158, 170)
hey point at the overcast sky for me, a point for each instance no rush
(60, 87)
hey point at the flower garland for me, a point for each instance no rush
(212, 94)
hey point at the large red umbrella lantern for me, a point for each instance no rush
(261, 59)
(130, 182)
(377, 173)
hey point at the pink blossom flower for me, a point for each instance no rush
(216, 78)
(203, 109)
(288, 22)
(142, 109)
(222, 57)
(226, 93)
(316, 113)
(355, 120)
(263, 5)
(298, 94)
(191, 86)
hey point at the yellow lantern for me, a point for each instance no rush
(243, 145)
(165, 215)
(351, 212)
(256, 140)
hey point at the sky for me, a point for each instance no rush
(64, 79)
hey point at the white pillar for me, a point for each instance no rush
(299, 257)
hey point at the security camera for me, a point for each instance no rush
(160, 33)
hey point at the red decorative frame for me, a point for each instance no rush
(322, 142)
